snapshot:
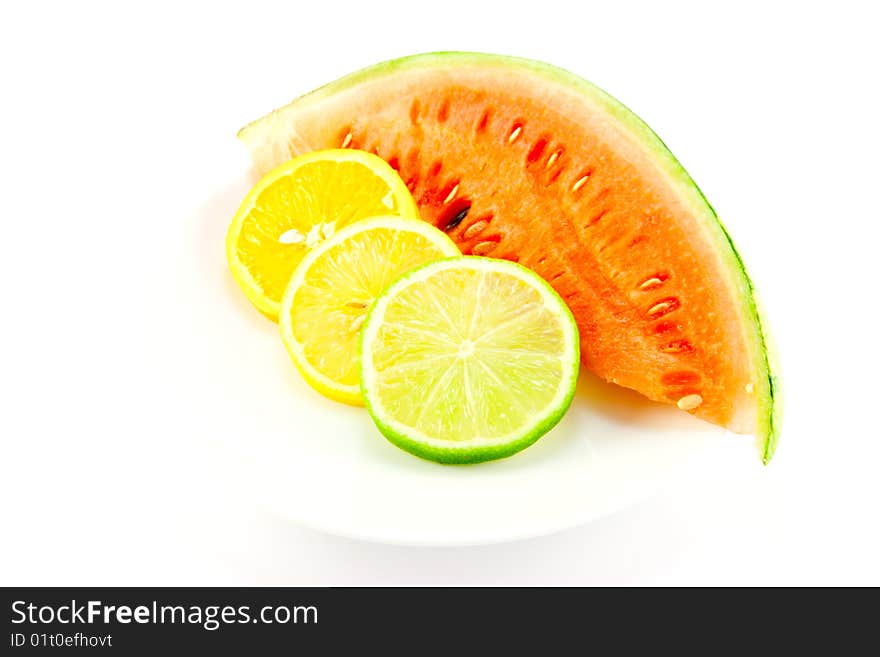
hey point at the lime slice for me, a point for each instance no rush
(468, 359)
(331, 290)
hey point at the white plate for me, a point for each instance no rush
(323, 464)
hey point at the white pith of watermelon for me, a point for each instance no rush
(521, 160)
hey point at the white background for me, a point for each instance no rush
(107, 115)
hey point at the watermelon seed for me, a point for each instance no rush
(663, 307)
(483, 248)
(580, 182)
(690, 402)
(451, 195)
(517, 131)
(475, 229)
(552, 159)
(651, 283)
(347, 140)
(458, 217)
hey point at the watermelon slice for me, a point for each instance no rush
(520, 160)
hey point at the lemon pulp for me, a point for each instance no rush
(332, 289)
(300, 204)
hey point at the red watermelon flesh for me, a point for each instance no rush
(520, 160)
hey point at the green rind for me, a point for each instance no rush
(471, 455)
(771, 416)
(776, 403)
(770, 409)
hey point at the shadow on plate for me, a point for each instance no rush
(613, 402)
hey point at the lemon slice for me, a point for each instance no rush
(333, 287)
(468, 359)
(298, 205)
